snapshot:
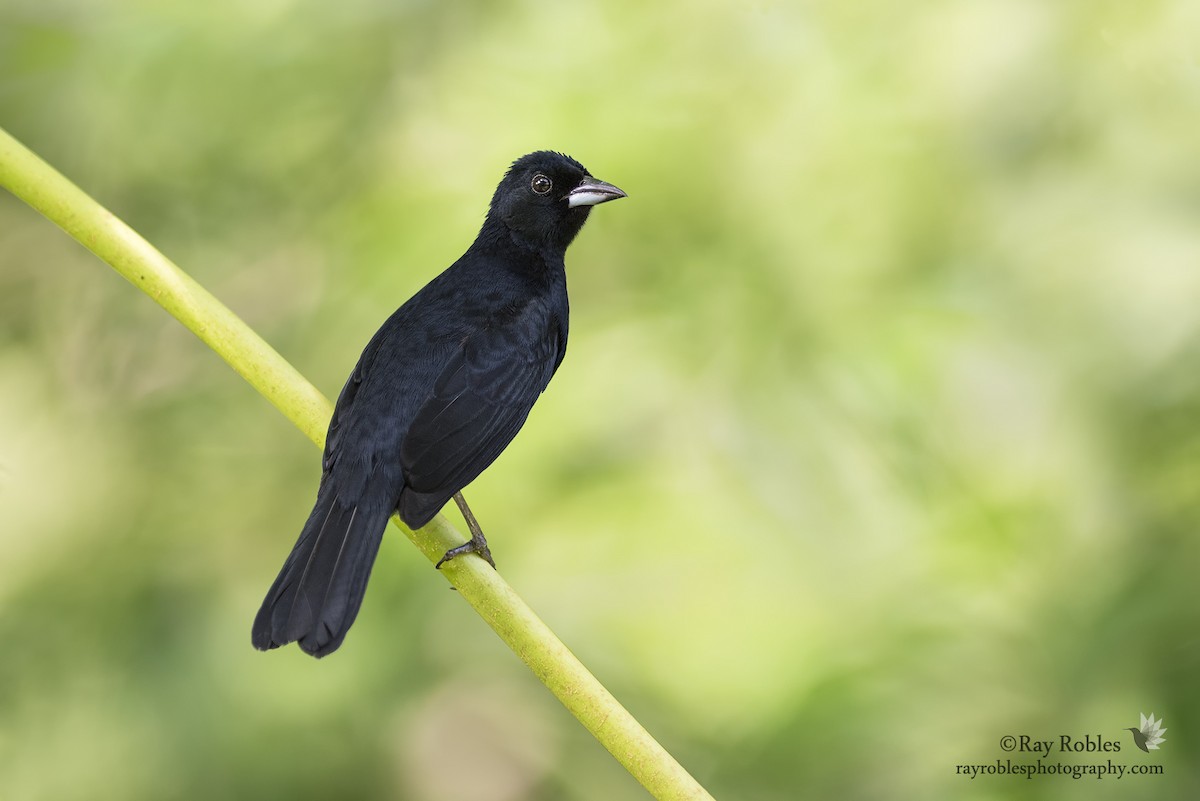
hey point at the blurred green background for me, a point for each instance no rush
(878, 437)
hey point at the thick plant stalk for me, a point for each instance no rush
(47, 191)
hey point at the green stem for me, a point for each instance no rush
(47, 191)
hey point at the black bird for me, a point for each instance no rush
(438, 393)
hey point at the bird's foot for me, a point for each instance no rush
(477, 544)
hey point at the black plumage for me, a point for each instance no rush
(438, 393)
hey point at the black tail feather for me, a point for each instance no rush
(320, 588)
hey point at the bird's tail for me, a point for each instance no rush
(320, 588)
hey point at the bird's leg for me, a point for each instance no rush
(477, 543)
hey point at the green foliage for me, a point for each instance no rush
(875, 441)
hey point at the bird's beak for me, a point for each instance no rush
(591, 192)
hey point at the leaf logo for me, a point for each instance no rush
(1148, 736)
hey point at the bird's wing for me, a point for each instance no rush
(345, 402)
(478, 404)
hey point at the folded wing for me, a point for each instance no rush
(479, 402)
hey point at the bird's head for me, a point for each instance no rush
(545, 198)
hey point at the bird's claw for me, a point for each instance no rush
(474, 545)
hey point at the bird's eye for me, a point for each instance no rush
(541, 184)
